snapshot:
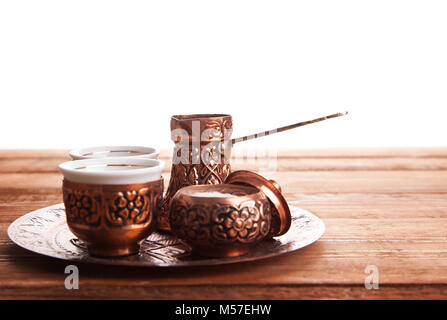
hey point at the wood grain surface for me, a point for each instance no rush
(381, 207)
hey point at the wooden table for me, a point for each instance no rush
(382, 207)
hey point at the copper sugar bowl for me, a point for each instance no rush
(226, 220)
(201, 155)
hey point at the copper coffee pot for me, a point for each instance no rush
(202, 152)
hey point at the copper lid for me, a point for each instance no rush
(281, 217)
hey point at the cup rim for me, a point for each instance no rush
(82, 153)
(199, 116)
(150, 171)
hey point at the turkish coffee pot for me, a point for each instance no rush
(202, 153)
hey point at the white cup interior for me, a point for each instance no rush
(118, 170)
(114, 151)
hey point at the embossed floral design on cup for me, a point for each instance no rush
(82, 207)
(111, 204)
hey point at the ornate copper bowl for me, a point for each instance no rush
(220, 220)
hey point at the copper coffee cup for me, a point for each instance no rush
(112, 204)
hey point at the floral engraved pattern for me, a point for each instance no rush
(249, 222)
(238, 223)
(111, 205)
(221, 223)
(194, 218)
(132, 207)
(82, 206)
(219, 128)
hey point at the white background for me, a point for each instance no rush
(84, 73)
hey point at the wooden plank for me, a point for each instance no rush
(431, 152)
(293, 183)
(268, 164)
(377, 182)
(339, 164)
(333, 153)
(25, 166)
(326, 205)
(34, 161)
(32, 153)
(229, 291)
(321, 263)
(316, 268)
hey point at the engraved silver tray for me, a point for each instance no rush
(45, 231)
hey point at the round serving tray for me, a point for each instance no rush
(45, 231)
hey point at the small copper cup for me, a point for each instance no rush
(220, 220)
(112, 204)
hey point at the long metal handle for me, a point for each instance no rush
(285, 128)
